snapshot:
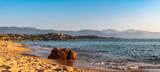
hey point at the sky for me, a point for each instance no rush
(82, 14)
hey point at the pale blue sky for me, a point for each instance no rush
(81, 14)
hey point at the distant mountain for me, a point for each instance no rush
(130, 33)
(23, 30)
(109, 31)
(134, 31)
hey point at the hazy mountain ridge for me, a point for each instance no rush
(23, 30)
(130, 33)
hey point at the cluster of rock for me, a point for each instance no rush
(58, 53)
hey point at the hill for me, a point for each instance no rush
(45, 37)
(130, 33)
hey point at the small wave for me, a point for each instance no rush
(109, 53)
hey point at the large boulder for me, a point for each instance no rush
(72, 55)
(58, 53)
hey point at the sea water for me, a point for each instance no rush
(108, 53)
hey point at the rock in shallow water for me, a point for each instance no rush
(72, 55)
(58, 53)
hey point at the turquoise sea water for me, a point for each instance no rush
(97, 52)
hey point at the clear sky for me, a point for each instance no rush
(81, 14)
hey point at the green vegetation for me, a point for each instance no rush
(45, 37)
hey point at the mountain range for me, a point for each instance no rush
(130, 33)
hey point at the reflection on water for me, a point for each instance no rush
(67, 62)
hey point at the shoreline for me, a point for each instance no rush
(12, 53)
(41, 50)
(54, 61)
(13, 59)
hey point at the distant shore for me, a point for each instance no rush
(47, 37)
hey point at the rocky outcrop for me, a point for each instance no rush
(58, 53)
(72, 55)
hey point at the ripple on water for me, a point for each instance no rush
(98, 52)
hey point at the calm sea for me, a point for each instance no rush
(105, 52)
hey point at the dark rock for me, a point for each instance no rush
(72, 55)
(66, 50)
(58, 53)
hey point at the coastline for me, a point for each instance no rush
(12, 59)
(42, 49)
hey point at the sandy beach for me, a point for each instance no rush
(13, 60)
